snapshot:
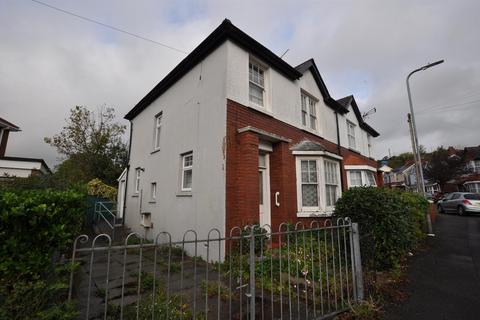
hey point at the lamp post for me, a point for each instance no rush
(416, 151)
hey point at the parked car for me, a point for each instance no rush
(460, 202)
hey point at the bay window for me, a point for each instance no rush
(318, 185)
(361, 178)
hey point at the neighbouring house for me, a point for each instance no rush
(19, 167)
(402, 177)
(235, 135)
(5, 128)
(470, 181)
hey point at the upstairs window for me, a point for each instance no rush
(187, 171)
(351, 135)
(157, 131)
(476, 165)
(137, 180)
(256, 84)
(153, 191)
(309, 111)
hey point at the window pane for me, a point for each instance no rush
(188, 160)
(331, 195)
(187, 179)
(256, 94)
(313, 122)
(309, 195)
(355, 178)
(304, 118)
(312, 169)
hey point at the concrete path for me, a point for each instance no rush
(444, 282)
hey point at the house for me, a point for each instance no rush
(20, 167)
(470, 181)
(402, 177)
(234, 135)
(5, 128)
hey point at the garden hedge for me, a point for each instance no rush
(391, 222)
(35, 227)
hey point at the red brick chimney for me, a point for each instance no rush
(451, 151)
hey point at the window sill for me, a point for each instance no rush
(152, 202)
(154, 151)
(184, 194)
(314, 214)
(260, 109)
(135, 195)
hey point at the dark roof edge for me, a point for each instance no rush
(226, 30)
(27, 160)
(361, 122)
(329, 101)
(12, 127)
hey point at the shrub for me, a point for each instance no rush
(390, 222)
(34, 226)
(96, 187)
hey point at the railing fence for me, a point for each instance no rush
(295, 272)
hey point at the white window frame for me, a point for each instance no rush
(475, 165)
(137, 180)
(351, 136)
(338, 192)
(364, 177)
(184, 169)
(321, 209)
(157, 130)
(473, 186)
(308, 106)
(257, 64)
(153, 191)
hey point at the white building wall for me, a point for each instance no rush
(194, 119)
(20, 169)
(360, 134)
(283, 94)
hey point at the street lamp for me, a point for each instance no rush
(416, 151)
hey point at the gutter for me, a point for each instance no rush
(339, 150)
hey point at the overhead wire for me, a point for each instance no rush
(108, 26)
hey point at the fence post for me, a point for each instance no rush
(357, 262)
(252, 274)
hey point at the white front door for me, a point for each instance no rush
(264, 188)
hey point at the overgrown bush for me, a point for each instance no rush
(35, 226)
(390, 222)
(96, 187)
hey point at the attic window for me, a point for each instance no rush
(309, 111)
(256, 84)
(351, 135)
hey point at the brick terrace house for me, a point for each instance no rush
(235, 135)
(469, 182)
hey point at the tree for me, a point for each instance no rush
(92, 145)
(442, 168)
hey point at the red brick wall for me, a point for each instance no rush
(242, 193)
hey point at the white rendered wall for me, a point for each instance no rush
(194, 119)
(283, 95)
(361, 139)
(284, 99)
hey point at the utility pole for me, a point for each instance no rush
(414, 149)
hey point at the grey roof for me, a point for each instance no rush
(345, 101)
(307, 145)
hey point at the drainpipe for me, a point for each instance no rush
(126, 176)
(339, 149)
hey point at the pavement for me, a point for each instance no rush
(444, 282)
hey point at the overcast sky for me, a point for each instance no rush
(50, 61)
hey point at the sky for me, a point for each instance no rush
(51, 61)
